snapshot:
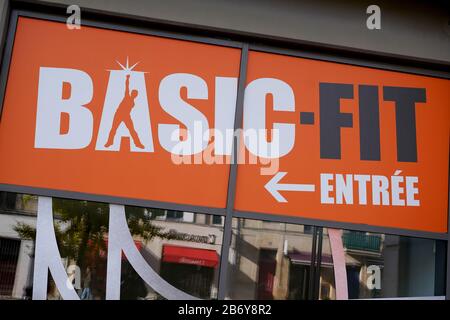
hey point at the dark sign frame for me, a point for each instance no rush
(244, 43)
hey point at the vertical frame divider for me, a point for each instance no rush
(447, 286)
(312, 264)
(231, 194)
(318, 269)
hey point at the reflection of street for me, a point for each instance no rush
(16, 255)
(275, 261)
(193, 265)
(269, 260)
(362, 250)
(81, 230)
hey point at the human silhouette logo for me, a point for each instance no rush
(125, 111)
(123, 114)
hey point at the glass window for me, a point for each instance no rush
(286, 261)
(23, 203)
(9, 254)
(268, 260)
(217, 219)
(174, 215)
(390, 266)
(271, 260)
(184, 251)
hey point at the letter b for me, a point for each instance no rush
(51, 104)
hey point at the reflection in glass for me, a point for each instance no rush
(271, 260)
(285, 261)
(17, 202)
(183, 247)
(268, 260)
(388, 266)
(184, 250)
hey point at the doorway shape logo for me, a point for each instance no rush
(125, 112)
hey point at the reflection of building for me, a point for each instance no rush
(191, 260)
(188, 259)
(16, 254)
(276, 261)
(368, 133)
(273, 261)
(268, 260)
(362, 250)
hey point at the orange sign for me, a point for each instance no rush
(349, 144)
(136, 116)
(105, 112)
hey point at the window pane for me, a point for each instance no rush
(9, 254)
(286, 261)
(217, 219)
(390, 266)
(270, 260)
(174, 215)
(23, 203)
(184, 251)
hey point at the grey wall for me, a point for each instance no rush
(417, 29)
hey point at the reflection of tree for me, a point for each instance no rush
(81, 229)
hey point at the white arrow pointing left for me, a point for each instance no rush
(274, 186)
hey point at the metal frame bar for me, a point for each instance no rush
(312, 265)
(447, 289)
(7, 53)
(4, 21)
(318, 269)
(284, 46)
(227, 233)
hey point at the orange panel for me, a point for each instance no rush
(427, 208)
(141, 175)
